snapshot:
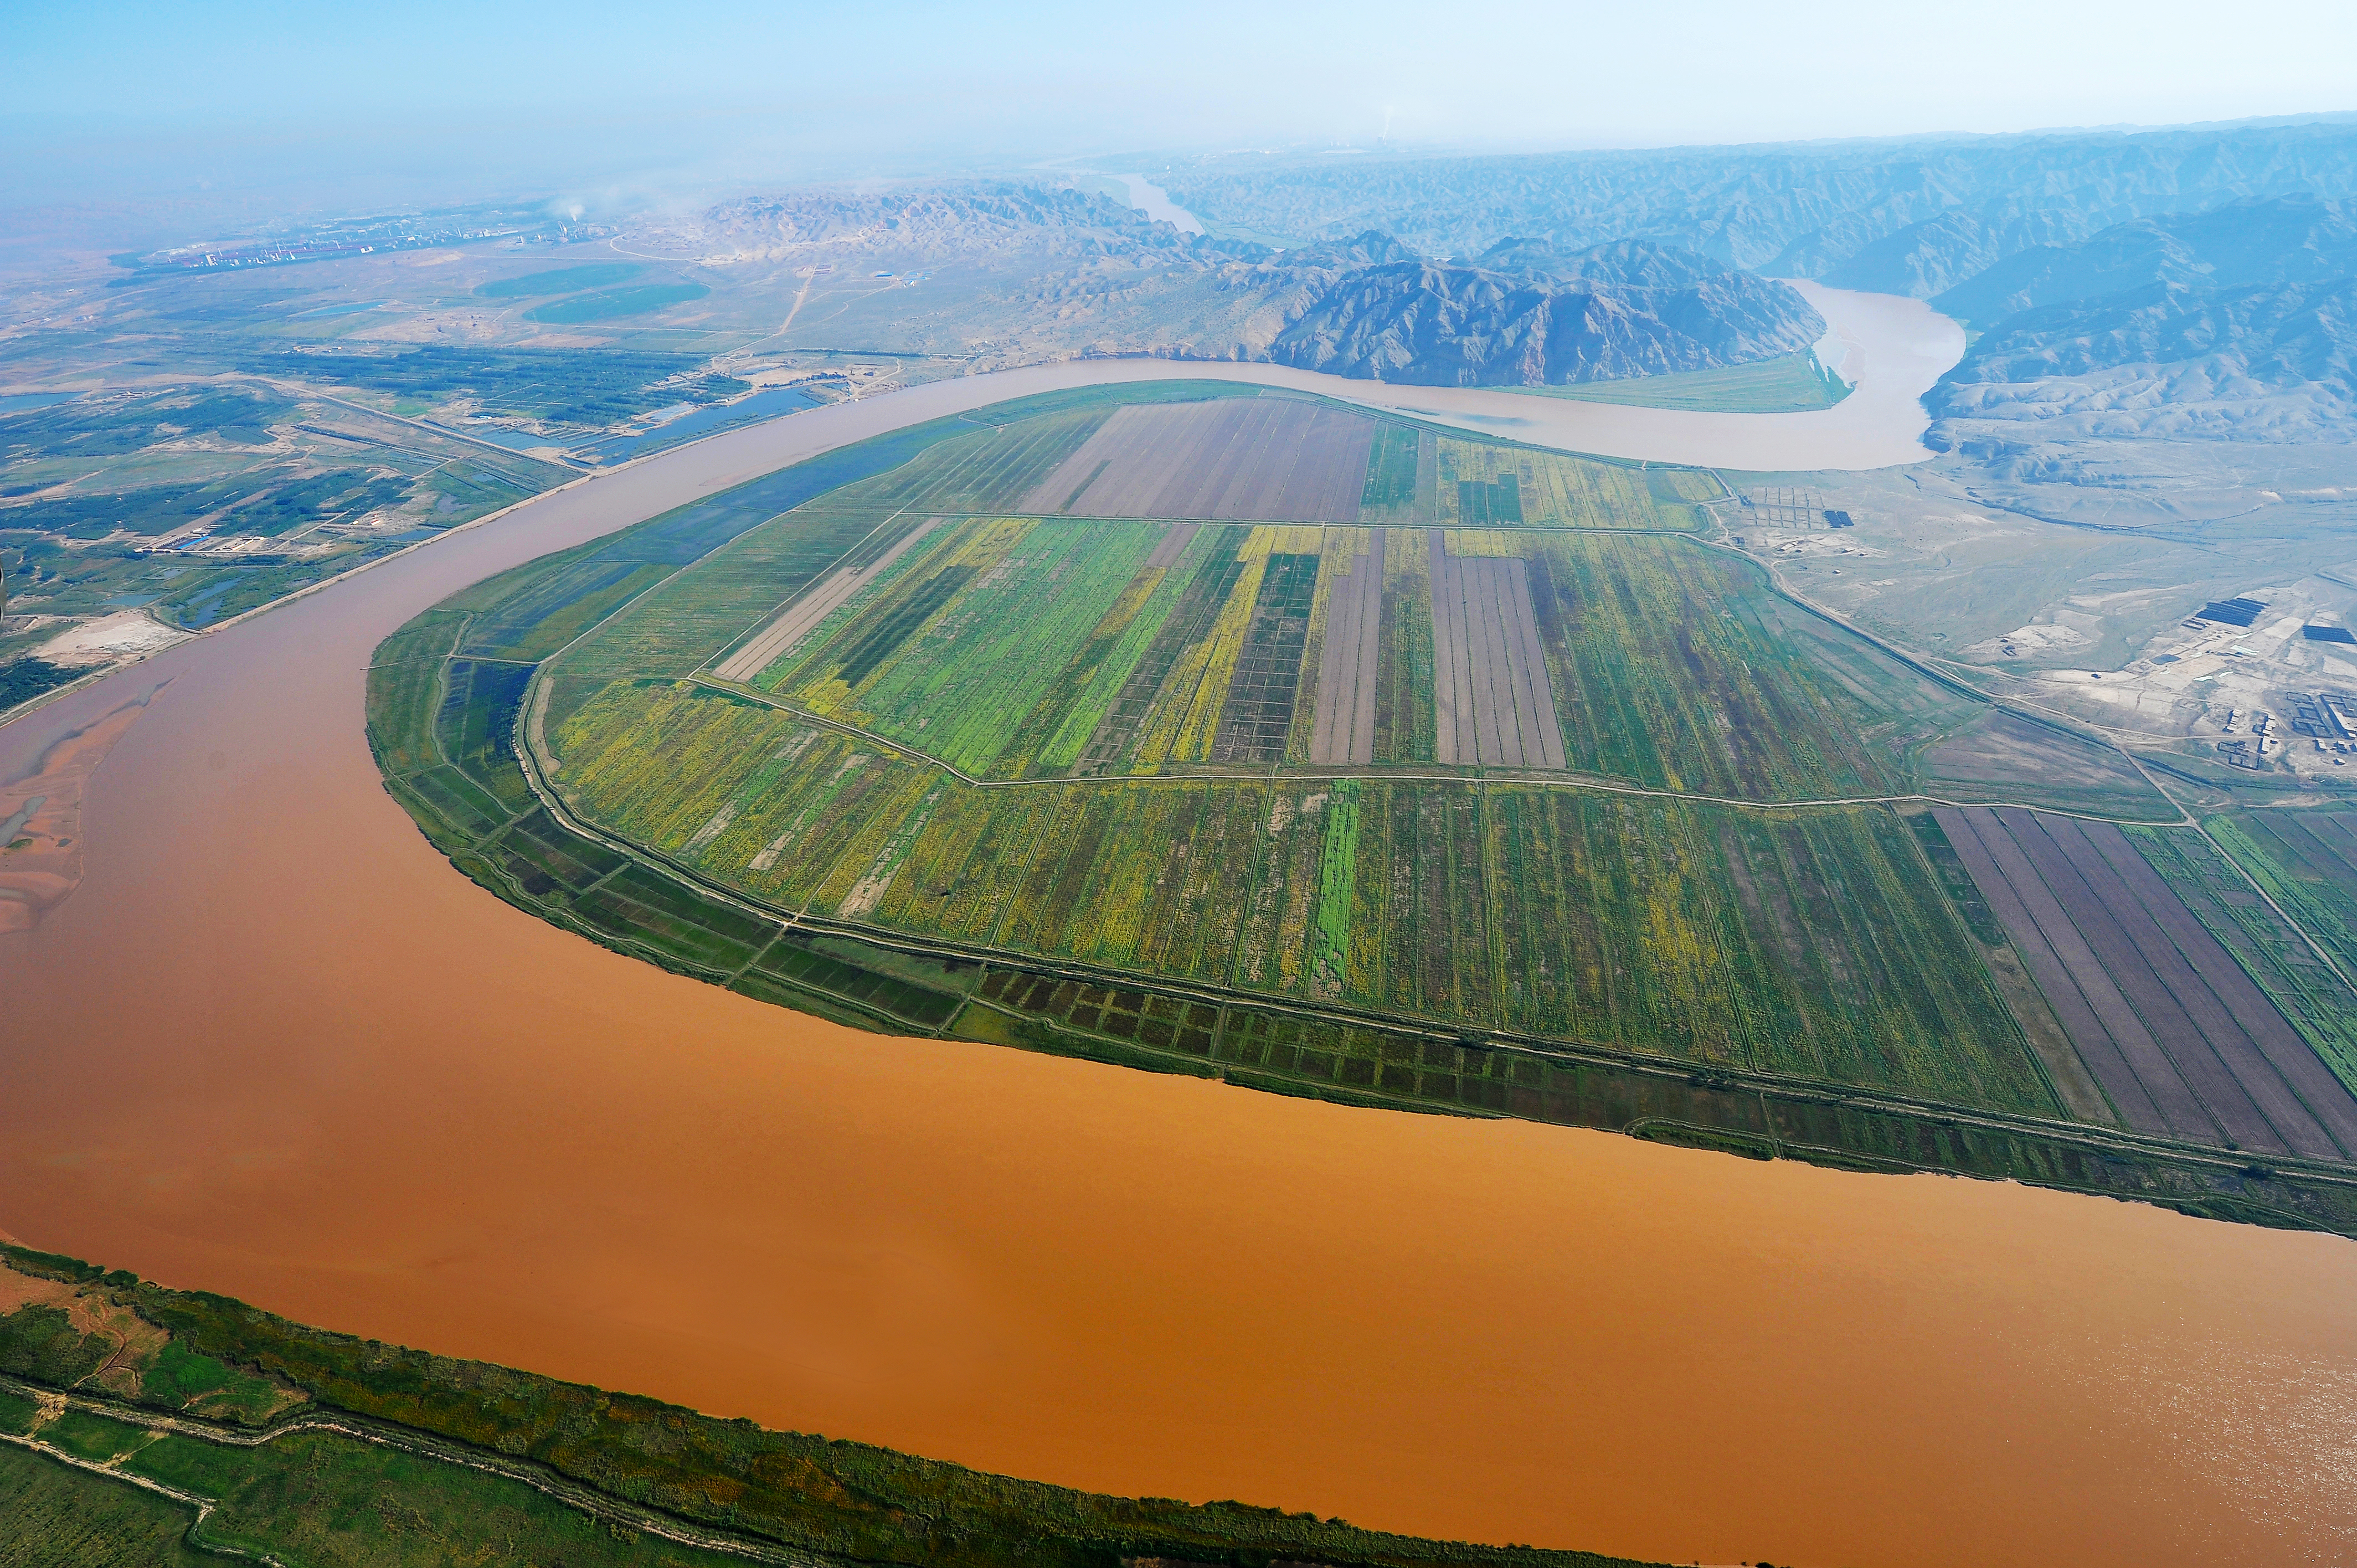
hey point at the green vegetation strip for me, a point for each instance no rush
(1789, 383)
(393, 1456)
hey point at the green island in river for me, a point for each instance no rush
(1209, 729)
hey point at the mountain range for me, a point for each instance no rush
(1525, 313)
(1077, 273)
(1913, 216)
(2238, 321)
(2187, 281)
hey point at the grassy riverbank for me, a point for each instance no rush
(376, 1453)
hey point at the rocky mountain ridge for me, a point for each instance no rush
(2239, 322)
(1526, 315)
(1903, 216)
(2294, 239)
(1078, 272)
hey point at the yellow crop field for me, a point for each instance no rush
(1479, 542)
(871, 849)
(660, 761)
(1186, 716)
(1559, 491)
(1220, 652)
(1282, 539)
(1687, 484)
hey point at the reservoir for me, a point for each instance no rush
(259, 1039)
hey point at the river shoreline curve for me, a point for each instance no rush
(275, 1046)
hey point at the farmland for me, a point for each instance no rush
(2306, 862)
(1479, 483)
(183, 507)
(1508, 814)
(1017, 647)
(2181, 1036)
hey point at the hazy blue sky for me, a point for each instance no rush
(163, 95)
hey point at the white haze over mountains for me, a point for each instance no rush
(1858, 144)
(243, 102)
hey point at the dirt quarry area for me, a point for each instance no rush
(126, 634)
(2266, 681)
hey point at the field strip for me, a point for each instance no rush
(2082, 1023)
(572, 1495)
(824, 599)
(1392, 774)
(1792, 1086)
(1344, 727)
(204, 1507)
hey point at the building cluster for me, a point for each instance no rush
(2328, 718)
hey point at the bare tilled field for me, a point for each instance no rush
(1349, 657)
(1489, 679)
(1246, 459)
(2181, 1037)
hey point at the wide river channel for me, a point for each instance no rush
(273, 1045)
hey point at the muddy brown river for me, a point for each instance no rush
(273, 1045)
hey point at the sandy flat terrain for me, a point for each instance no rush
(125, 634)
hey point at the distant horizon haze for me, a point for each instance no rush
(251, 102)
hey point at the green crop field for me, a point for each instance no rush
(2306, 863)
(1594, 804)
(1015, 648)
(57, 1516)
(1789, 383)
